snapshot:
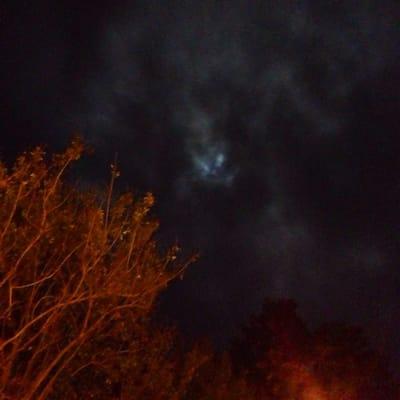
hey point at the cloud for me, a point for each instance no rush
(256, 108)
(267, 131)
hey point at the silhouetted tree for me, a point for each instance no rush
(217, 380)
(284, 360)
(346, 367)
(270, 340)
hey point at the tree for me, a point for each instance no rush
(271, 341)
(78, 271)
(217, 380)
(347, 368)
(284, 360)
(144, 362)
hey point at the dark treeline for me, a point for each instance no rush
(80, 272)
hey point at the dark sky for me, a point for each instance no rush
(268, 131)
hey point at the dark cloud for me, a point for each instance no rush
(269, 134)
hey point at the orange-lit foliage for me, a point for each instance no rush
(78, 272)
(284, 360)
(217, 380)
(146, 362)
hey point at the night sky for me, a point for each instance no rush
(267, 130)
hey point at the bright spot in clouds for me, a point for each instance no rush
(207, 150)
